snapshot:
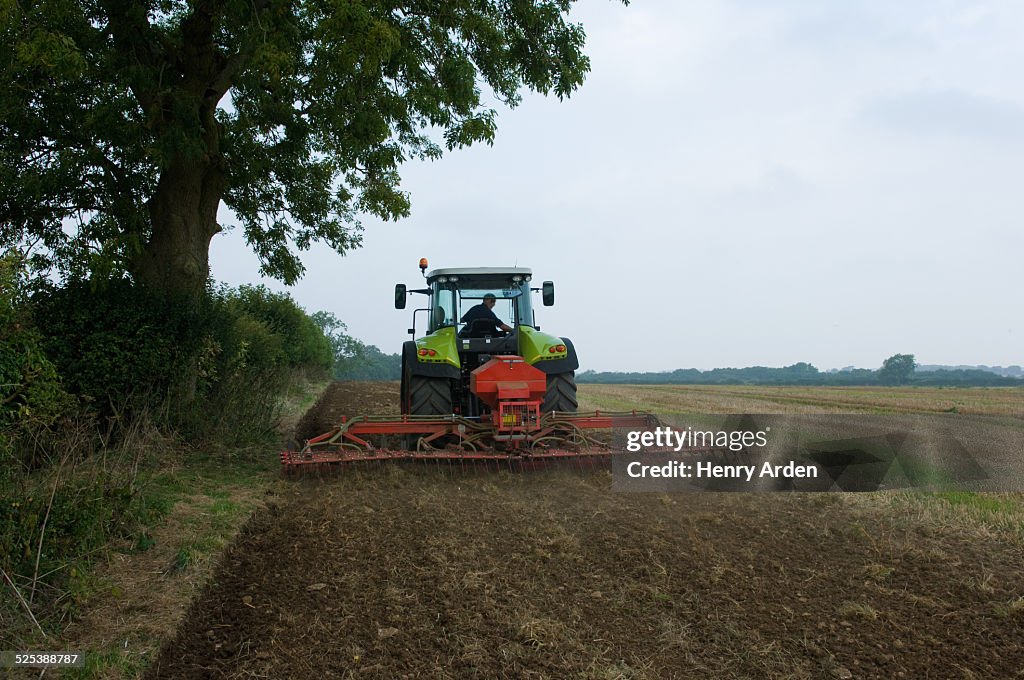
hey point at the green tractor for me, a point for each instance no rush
(473, 315)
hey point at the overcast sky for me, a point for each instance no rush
(737, 183)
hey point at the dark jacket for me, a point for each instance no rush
(481, 312)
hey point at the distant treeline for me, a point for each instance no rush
(1014, 371)
(354, 359)
(803, 374)
(368, 362)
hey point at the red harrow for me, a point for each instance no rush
(514, 431)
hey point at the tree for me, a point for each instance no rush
(353, 359)
(125, 123)
(897, 369)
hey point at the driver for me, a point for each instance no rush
(483, 312)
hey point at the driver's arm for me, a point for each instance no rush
(498, 322)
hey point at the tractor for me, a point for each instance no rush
(441, 371)
(483, 385)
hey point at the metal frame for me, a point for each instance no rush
(555, 436)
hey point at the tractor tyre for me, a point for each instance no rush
(429, 396)
(403, 389)
(561, 393)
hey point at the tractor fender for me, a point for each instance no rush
(569, 363)
(416, 367)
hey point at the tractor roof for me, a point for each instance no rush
(480, 271)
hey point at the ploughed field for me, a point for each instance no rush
(416, 572)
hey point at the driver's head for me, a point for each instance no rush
(489, 300)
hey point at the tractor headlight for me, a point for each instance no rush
(442, 279)
(517, 278)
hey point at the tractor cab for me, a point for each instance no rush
(455, 292)
(466, 310)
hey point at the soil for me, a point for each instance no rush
(399, 572)
(347, 399)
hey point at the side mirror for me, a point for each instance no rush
(399, 296)
(548, 293)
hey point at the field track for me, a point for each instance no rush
(419, 573)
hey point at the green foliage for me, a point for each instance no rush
(183, 559)
(254, 341)
(107, 105)
(353, 359)
(31, 396)
(213, 372)
(50, 528)
(72, 143)
(367, 362)
(79, 520)
(128, 353)
(118, 344)
(242, 341)
(897, 369)
(143, 542)
(302, 341)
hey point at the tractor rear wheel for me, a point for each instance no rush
(429, 396)
(561, 393)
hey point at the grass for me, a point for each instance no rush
(983, 504)
(195, 512)
(185, 509)
(857, 610)
(190, 507)
(1014, 607)
(963, 511)
(877, 572)
(112, 663)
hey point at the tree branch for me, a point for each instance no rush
(133, 34)
(221, 81)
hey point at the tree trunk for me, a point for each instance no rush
(183, 214)
(175, 262)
